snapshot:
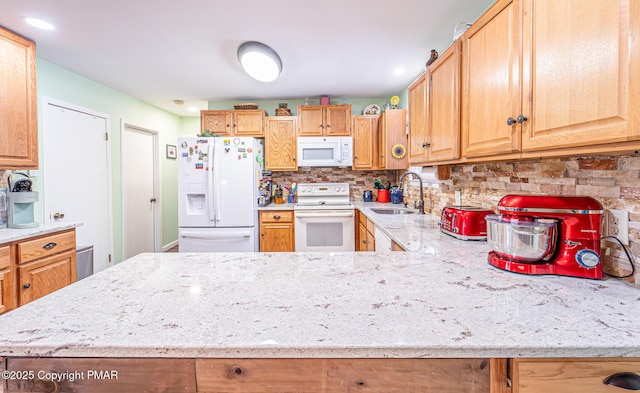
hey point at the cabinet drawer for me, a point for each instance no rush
(276, 216)
(5, 255)
(31, 250)
(569, 375)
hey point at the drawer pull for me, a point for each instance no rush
(625, 380)
(26, 286)
(49, 246)
(276, 217)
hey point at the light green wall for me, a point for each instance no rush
(60, 84)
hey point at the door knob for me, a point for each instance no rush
(58, 216)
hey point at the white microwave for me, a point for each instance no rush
(325, 151)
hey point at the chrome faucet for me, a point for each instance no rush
(420, 204)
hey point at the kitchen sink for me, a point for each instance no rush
(382, 210)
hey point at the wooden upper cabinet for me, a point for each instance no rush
(392, 139)
(577, 76)
(247, 122)
(217, 122)
(324, 120)
(281, 146)
(418, 120)
(443, 92)
(491, 81)
(18, 102)
(365, 142)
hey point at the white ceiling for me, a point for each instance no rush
(160, 51)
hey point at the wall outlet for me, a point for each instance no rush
(616, 223)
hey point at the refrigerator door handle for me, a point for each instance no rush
(216, 186)
(210, 180)
(215, 236)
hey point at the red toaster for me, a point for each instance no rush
(465, 222)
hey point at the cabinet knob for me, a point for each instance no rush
(26, 286)
(49, 246)
(511, 121)
(152, 200)
(364, 242)
(624, 380)
(426, 144)
(293, 158)
(262, 234)
(321, 125)
(328, 125)
(58, 216)
(521, 119)
(276, 217)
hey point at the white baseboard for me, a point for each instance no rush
(170, 245)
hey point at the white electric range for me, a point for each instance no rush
(324, 218)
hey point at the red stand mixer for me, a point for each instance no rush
(536, 234)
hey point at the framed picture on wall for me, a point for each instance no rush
(171, 152)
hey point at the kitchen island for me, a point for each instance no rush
(207, 312)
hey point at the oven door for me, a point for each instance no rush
(325, 230)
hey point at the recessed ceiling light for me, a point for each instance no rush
(192, 109)
(398, 71)
(39, 23)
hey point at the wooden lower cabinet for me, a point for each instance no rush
(277, 231)
(365, 233)
(44, 276)
(569, 375)
(34, 267)
(98, 375)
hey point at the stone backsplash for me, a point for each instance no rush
(613, 181)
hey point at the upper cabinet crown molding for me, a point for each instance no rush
(19, 103)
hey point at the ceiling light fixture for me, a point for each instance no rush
(259, 61)
(39, 23)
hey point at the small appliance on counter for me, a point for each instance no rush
(536, 234)
(4, 208)
(465, 222)
(20, 202)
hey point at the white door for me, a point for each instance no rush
(139, 191)
(77, 175)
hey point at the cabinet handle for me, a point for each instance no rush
(624, 380)
(426, 144)
(49, 246)
(26, 286)
(511, 121)
(276, 217)
(521, 119)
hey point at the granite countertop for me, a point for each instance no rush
(8, 235)
(441, 300)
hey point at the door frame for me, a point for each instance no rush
(157, 181)
(46, 101)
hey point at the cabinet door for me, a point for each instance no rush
(392, 141)
(217, 122)
(7, 287)
(280, 144)
(19, 113)
(276, 231)
(491, 82)
(337, 120)
(362, 235)
(249, 123)
(365, 142)
(444, 106)
(39, 278)
(577, 90)
(311, 120)
(418, 121)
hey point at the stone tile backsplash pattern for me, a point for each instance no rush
(613, 181)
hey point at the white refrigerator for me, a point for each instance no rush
(218, 185)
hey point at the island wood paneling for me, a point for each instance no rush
(108, 375)
(342, 375)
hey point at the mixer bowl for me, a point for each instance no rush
(520, 240)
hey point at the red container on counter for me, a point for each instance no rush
(383, 196)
